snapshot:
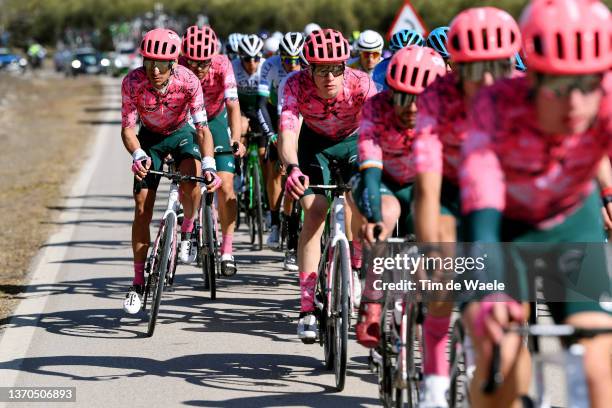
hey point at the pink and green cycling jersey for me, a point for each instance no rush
(162, 113)
(218, 85)
(334, 118)
(383, 143)
(511, 166)
(441, 128)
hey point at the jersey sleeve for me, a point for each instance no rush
(229, 80)
(427, 145)
(481, 177)
(368, 144)
(129, 112)
(289, 120)
(263, 89)
(196, 104)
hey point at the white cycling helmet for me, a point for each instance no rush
(271, 46)
(277, 34)
(251, 45)
(371, 41)
(310, 27)
(292, 44)
(233, 42)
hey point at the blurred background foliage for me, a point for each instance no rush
(46, 20)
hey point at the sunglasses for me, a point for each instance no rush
(475, 71)
(403, 100)
(370, 54)
(325, 70)
(162, 66)
(199, 64)
(290, 60)
(562, 85)
(251, 59)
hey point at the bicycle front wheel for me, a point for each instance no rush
(158, 275)
(208, 266)
(341, 314)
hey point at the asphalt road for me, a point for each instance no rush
(241, 350)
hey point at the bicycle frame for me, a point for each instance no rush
(337, 236)
(172, 207)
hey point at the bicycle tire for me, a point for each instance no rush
(412, 343)
(385, 374)
(325, 336)
(458, 394)
(258, 207)
(210, 246)
(159, 275)
(341, 287)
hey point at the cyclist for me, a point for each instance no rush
(534, 146)
(383, 189)
(437, 40)
(162, 95)
(310, 27)
(232, 45)
(369, 45)
(271, 46)
(441, 129)
(216, 75)
(329, 97)
(273, 71)
(399, 40)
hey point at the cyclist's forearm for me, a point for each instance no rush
(287, 147)
(427, 207)
(233, 113)
(263, 115)
(205, 142)
(604, 173)
(130, 140)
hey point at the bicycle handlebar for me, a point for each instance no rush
(178, 177)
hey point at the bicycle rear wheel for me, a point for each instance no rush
(258, 207)
(158, 275)
(341, 314)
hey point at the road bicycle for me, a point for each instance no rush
(162, 260)
(207, 244)
(397, 358)
(252, 200)
(334, 290)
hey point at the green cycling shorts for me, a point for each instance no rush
(387, 187)
(180, 144)
(315, 152)
(224, 158)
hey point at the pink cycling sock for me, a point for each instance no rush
(138, 273)
(356, 254)
(308, 281)
(435, 330)
(187, 225)
(226, 246)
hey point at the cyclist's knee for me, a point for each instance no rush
(244, 125)
(391, 210)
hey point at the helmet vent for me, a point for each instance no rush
(471, 44)
(485, 39)
(560, 50)
(579, 46)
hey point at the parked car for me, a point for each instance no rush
(11, 61)
(126, 58)
(88, 61)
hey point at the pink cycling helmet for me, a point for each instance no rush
(566, 37)
(483, 34)
(413, 68)
(200, 44)
(160, 44)
(326, 46)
